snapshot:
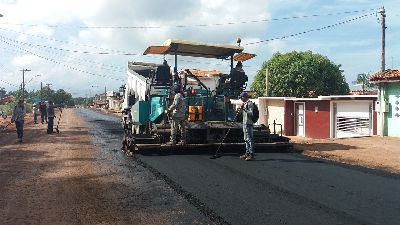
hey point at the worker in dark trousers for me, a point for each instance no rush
(18, 117)
(50, 117)
(248, 126)
(43, 112)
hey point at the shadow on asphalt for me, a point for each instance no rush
(300, 147)
(289, 160)
(232, 151)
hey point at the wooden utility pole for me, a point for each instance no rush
(266, 81)
(381, 87)
(23, 82)
(383, 16)
(41, 90)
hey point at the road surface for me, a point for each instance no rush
(276, 188)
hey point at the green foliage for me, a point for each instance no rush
(3, 92)
(62, 97)
(363, 81)
(83, 101)
(7, 108)
(58, 97)
(300, 74)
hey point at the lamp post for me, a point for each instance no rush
(38, 75)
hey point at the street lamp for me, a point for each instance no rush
(25, 83)
(32, 78)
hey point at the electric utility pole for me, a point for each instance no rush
(41, 91)
(23, 82)
(381, 88)
(383, 16)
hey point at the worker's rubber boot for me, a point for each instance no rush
(250, 157)
(244, 156)
(173, 143)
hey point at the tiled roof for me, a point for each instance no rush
(365, 92)
(385, 76)
(7, 99)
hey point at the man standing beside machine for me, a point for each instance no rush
(177, 112)
(248, 126)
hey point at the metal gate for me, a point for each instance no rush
(352, 119)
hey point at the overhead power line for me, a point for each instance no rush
(65, 49)
(60, 63)
(118, 69)
(200, 25)
(6, 82)
(227, 23)
(82, 62)
(9, 83)
(66, 42)
(117, 52)
(312, 30)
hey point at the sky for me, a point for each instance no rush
(84, 47)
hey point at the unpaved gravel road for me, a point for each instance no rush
(80, 177)
(374, 152)
(63, 179)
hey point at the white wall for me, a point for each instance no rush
(270, 110)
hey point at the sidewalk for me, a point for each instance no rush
(373, 152)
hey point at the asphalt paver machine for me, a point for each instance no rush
(210, 113)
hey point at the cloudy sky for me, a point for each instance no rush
(81, 46)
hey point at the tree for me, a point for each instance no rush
(83, 101)
(47, 94)
(3, 92)
(363, 81)
(18, 94)
(58, 97)
(62, 97)
(300, 74)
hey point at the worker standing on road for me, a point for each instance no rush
(18, 117)
(177, 111)
(35, 111)
(50, 117)
(43, 112)
(248, 126)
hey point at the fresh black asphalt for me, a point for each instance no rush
(276, 188)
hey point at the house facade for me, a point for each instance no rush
(388, 106)
(322, 117)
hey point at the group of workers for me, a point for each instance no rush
(177, 111)
(177, 115)
(46, 112)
